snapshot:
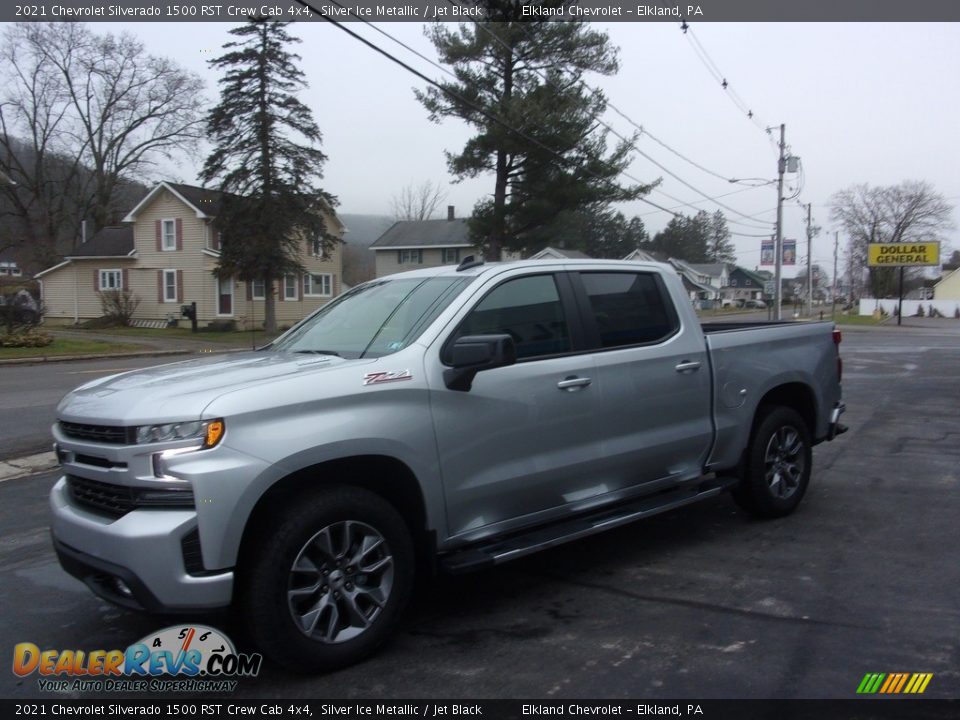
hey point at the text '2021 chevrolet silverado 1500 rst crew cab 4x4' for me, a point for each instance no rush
(456, 416)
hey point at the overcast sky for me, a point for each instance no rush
(862, 103)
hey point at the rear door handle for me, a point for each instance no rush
(688, 366)
(572, 384)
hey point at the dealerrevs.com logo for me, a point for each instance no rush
(180, 658)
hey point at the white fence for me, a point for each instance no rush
(947, 308)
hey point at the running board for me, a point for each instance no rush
(503, 550)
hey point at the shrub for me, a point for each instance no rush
(119, 305)
(27, 338)
(220, 326)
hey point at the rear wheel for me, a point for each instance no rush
(777, 467)
(324, 585)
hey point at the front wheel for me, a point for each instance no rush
(324, 586)
(777, 467)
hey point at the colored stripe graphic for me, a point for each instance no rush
(894, 683)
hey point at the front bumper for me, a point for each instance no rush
(150, 541)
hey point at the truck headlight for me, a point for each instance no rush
(209, 431)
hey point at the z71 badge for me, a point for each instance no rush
(375, 378)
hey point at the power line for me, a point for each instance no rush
(632, 144)
(459, 98)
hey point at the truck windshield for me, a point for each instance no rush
(374, 319)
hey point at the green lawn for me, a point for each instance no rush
(855, 319)
(228, 337)
(68, 347)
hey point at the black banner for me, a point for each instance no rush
(467, 10)
(506, 709)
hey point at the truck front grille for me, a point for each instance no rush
(117, 500)
(111, 434)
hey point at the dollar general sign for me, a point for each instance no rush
(893, 254)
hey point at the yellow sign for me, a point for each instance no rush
(895, 255)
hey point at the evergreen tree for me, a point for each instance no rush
(684, 238)
(719, 247)
(266, 160)
(526, 76)
(598, 233)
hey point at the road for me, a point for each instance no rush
(29, 395)
(698, 603)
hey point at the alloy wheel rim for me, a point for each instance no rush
(340, 582)
(784, 462)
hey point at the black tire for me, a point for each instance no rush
(777, 466)
(279, 601)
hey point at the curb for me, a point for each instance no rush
(27, 465)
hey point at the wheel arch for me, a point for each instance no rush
(796, 395)
(385, 476)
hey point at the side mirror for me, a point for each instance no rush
(472, 353)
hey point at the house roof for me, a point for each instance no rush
(711, 269)
(647, 256)
(411, 234)
(558, 253)
(205, 202)
(204, 199)
(756, 277)
(111, 241)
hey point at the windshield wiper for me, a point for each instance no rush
(316, 352)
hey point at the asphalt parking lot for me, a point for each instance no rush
(699, 603)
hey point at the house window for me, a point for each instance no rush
(170, 286)
(111, 280)
(317, 285)
(317, 249)
(9, 268)
(290, 287)
(168, 234)
(410, 256)
(733, 283)
(259, 290)
(451, 256)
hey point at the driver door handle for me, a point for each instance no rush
(688, 366)
(572, 384)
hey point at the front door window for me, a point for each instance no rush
(225, 296)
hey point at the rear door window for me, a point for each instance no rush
(629, 308)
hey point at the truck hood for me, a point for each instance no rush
(180, 391)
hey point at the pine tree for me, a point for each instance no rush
(526, 76)
(719, 247)
(272, 206)
(684, 238)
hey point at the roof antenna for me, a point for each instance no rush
(469, 262)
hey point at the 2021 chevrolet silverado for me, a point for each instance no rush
(457, 416)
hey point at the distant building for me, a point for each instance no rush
(551, 253)
(412, 244)
(948, 286)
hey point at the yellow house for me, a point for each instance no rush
(948, 287)
(165, 254)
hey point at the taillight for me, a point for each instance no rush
(837, 338)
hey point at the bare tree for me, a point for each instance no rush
(100, 106)
(418, 202)
(909, 212)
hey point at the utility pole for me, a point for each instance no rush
(833, 295)
(778, 245)
(809, 263)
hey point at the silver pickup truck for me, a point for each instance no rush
(447, 418)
